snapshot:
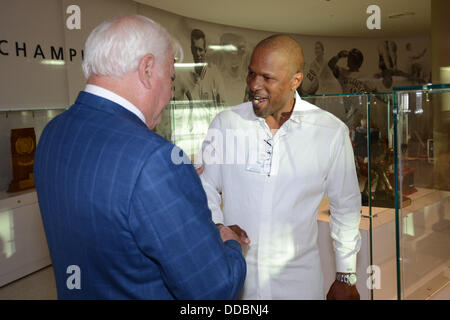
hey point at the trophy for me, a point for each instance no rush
(379, 189)
(23, 147)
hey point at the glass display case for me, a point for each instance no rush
(185, 123)
(423, 176)
(402, 157)
(370, 120)
(401, 143)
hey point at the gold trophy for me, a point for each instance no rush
(23, 147)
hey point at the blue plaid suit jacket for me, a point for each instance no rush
(116, 207)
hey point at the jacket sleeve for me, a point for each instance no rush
(171, 223)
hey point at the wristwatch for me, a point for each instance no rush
(348, 278)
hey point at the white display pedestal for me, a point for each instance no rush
(23, 245)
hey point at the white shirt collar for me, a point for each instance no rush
(296, 113)
(107, 94)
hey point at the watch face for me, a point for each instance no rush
(349, 279)
(352, 279)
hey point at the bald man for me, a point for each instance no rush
(270, 162)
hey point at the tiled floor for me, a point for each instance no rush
(443, 294)
(41, 286)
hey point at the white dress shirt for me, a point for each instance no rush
(114, 97)
(271, 187)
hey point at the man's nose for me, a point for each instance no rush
(255, 83)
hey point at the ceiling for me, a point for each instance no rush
(308, 17)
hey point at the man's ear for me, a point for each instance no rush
(146, 69)
(297, 80)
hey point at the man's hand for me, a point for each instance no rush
(342, 291)
(200, 170)
(234, 232)
(241, 233)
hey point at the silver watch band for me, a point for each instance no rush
(349, 278)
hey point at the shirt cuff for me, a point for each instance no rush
(217, 216)
(347, 264)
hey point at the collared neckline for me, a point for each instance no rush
(296, 112)
(114, 97)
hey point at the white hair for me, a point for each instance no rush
(114, 48)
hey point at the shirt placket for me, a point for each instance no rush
(267, 221)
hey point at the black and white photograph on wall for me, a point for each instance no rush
(233, 58)
(416, 64)
(317, 74)
(387, 64)
(199, 94)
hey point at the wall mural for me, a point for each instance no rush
(43, 56)
(213, 74)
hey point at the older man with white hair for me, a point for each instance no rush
(122, 220)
